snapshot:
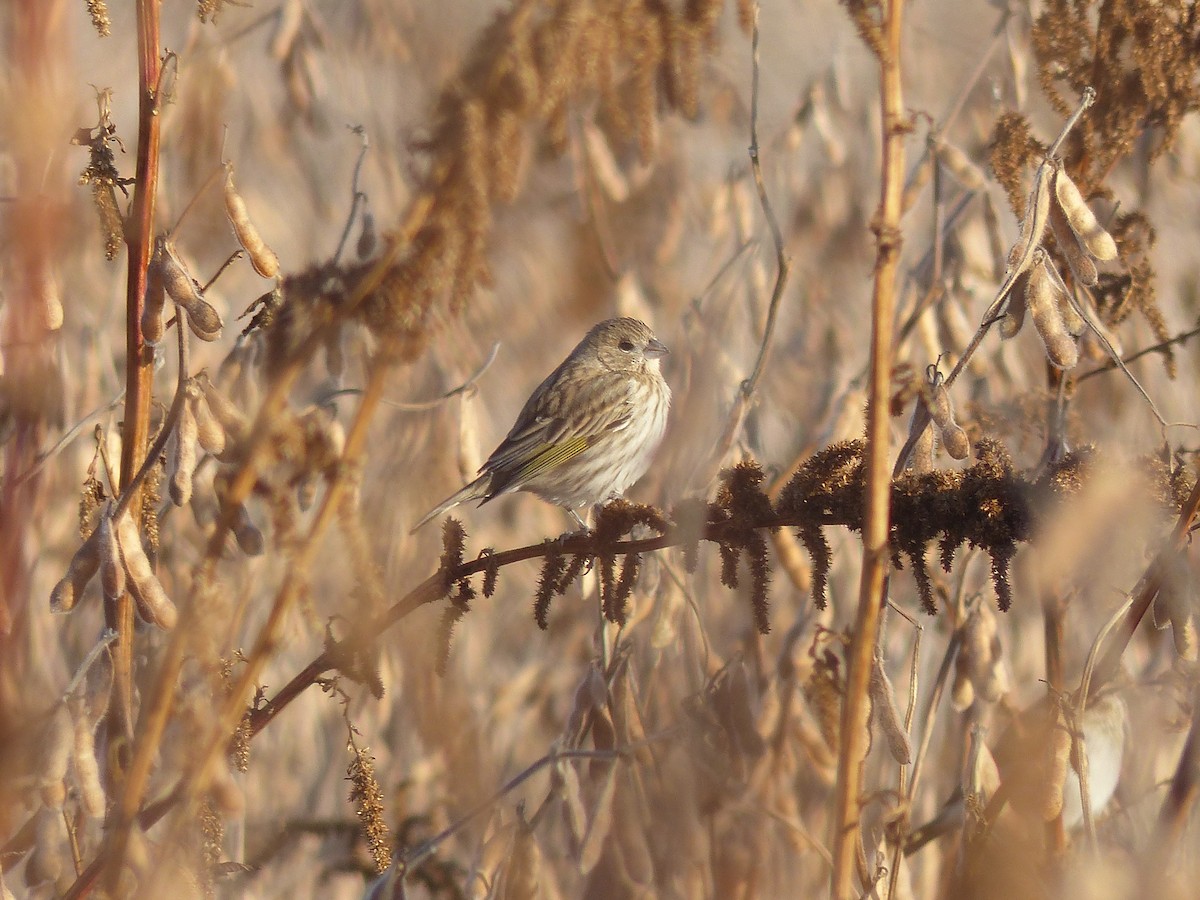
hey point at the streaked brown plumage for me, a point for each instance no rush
(588, 431)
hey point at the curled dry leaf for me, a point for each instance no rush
(262, 257)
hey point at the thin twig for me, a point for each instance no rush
(358, 197)
(467, 386)
(737, 413)
(1153, 348)
(68, 436)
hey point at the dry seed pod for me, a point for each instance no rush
(572, 797)
(367, 240)
(54, 755)
(209, 431)
(87, 770)
(48, 859)
(155, 298)
(1058, 769)
(522, 878)
(937, 400)
(204, 320)
(593, 842)
(1082, 220)
(249, 537)
(84, 565)
(917, 180)
(177, 280)
(956, 442)
(1174, 607)
(224, 790)
(1072, 320)
(921, 460)
(1033, 227)
(1014, 316)
(232, 419)
(1078, 259)
(306, 492)
(152, 602)
(181, 287)
(52, 310)
(1047, 319)
(112, 573)
(183, 457)
(960, 166)
(962, 694)
(886, 713)
(262, 257)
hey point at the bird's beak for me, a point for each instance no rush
(656, 348)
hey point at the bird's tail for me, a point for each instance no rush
(476, 490)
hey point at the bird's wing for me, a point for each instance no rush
(546, 436)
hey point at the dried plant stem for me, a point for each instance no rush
(741, 403)
(1175, 812)
(122, 814)
(153, 722)
(1138, 602)
(416, 854)
(139, 358)
(1181, 338)
(872, 586)
(268, 637)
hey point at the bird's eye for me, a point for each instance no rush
(626, 345)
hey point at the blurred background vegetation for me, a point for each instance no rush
(569, 161)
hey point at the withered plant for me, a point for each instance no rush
(976, 477)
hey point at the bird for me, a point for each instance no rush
(588, 431)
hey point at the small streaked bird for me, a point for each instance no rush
(589, 430)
